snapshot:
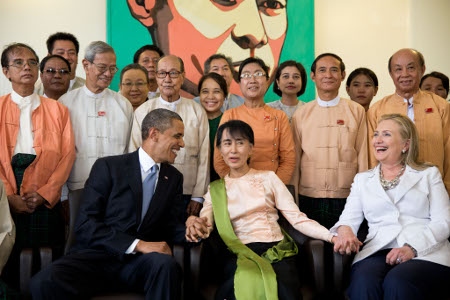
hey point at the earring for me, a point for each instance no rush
(403, 151)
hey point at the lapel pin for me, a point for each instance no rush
(340, 122)
(101, 113)
(429, 110)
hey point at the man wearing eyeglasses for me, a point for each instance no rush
(192, 160)
(55, 76)
(101, 118)
(37, 151)
(66, 45)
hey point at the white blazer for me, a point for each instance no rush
(419, 214)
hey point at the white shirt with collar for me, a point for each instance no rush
(329, 103)
(25, 137)
(410, 113)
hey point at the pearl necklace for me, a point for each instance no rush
(390, 184)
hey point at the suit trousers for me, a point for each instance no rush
(82, 274)
(371, 278)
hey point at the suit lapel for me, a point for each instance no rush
(407, 181)
(374, 185)
(133, 170)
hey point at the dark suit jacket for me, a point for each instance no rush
(110, 211)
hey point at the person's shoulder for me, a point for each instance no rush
(166, 167)
(71, 96)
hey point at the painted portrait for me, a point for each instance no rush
(273, 30)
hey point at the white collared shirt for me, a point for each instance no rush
(329, 103)
(24, 143)
(170, 105)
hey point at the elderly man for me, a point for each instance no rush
(55, 76)
(126, 225)
(101, 118)
(148, 56)
(330, 135)
(198, 28)
(429, 112)
(66, 45)
(192, 161)
(222, 65)
(36, 155)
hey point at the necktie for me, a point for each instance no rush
(148, 188)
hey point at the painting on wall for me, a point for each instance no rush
(272, 30)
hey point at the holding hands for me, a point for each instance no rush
(346, 242)
(197, 228)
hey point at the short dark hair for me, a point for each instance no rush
(341, 62)
(64, 36)
(217, 78)
(439, 75)
(144, 48)
(362, 71)
(133, 67)
(12, 48)
(159, 118)
(419, 57)
(255, 60)
(300, 68)
(47, 58)
(207, 64)
(236, 128)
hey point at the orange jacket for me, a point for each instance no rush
(53, 142)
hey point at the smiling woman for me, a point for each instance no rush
(274, 145)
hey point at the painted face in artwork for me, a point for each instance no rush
(196, 29)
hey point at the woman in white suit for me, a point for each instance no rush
(406, 254)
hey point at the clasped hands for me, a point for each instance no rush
(346, 241)
(26, 203)
(197, 228)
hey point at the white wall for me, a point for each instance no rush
(31, 22)
(363, 32)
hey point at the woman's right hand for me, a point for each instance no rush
(346, 241)
(197, 228)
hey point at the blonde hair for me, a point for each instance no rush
(408, 131)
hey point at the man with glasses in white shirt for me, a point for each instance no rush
(101, 118)
(55, 76)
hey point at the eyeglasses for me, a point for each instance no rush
(147, 60)
(20, 63)
(255, 75)
(172, 74)
(102, 68)
(139, 85)
(61, 72)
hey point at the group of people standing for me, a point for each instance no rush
(138, 163)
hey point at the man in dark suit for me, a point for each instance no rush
(117, 244)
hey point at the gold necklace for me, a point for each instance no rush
(390, 184)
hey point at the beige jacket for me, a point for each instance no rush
(331, 148)
(7, 228)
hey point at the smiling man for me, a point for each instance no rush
(126, 224)
(198, 28)
(330, 135)
(429, 112)
(101, 118)
(192, 161)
